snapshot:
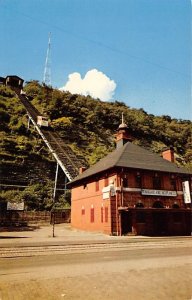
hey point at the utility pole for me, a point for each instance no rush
(47, 69)
(54, 195)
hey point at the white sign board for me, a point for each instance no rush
(15, 206)
(108, 191)
(186, 192)
(159, 193)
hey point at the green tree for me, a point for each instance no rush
(38, 196)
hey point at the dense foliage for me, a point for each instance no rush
(88, 125)
(37, 196)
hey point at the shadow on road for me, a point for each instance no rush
(19, 228)
(13, 237)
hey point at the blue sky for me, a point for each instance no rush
(140, 47)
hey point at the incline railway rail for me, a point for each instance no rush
(63, 154)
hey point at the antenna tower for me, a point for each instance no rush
(47, 70)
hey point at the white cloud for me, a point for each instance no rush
(95, 83)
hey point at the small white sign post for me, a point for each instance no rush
(186, 192)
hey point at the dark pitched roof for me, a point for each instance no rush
(14, 77)
(132, 156)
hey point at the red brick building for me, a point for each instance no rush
(133, 191)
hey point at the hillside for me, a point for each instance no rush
(89, 125)
(86, 124)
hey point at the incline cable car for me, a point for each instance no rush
(14, 81)
(42, 121)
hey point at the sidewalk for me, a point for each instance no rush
(65, 235)
(43, 235)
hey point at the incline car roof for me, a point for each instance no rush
(15, 77)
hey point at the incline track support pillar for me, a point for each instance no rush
(66, 181)
(28, 124)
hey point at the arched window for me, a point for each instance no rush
(106, 181)
(175, 205)
(173, 184)
(125, 182)
(83, 210)
(158, 204)
(102, 214)
(106, 214)
(138, 180)
(92, 214)
(156, 182)
(97, 185)
(139, 205)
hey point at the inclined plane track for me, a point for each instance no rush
(62, 152)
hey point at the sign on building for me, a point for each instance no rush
(158, 193)
(15, 206)
(186, 192)
(108, 191)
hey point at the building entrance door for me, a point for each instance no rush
(160, 225)
(126, 222)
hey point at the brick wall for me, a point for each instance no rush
(93, 212)
(89, 211)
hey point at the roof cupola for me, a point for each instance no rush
(123, 136)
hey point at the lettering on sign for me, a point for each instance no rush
(158, 193)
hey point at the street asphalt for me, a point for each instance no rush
(84, 265)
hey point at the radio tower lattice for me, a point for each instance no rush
(47, 70)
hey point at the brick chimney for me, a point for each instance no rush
(123, 136)
(168, 154)
(81, 170)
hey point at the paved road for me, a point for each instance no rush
(139, 271)
(10, 251)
